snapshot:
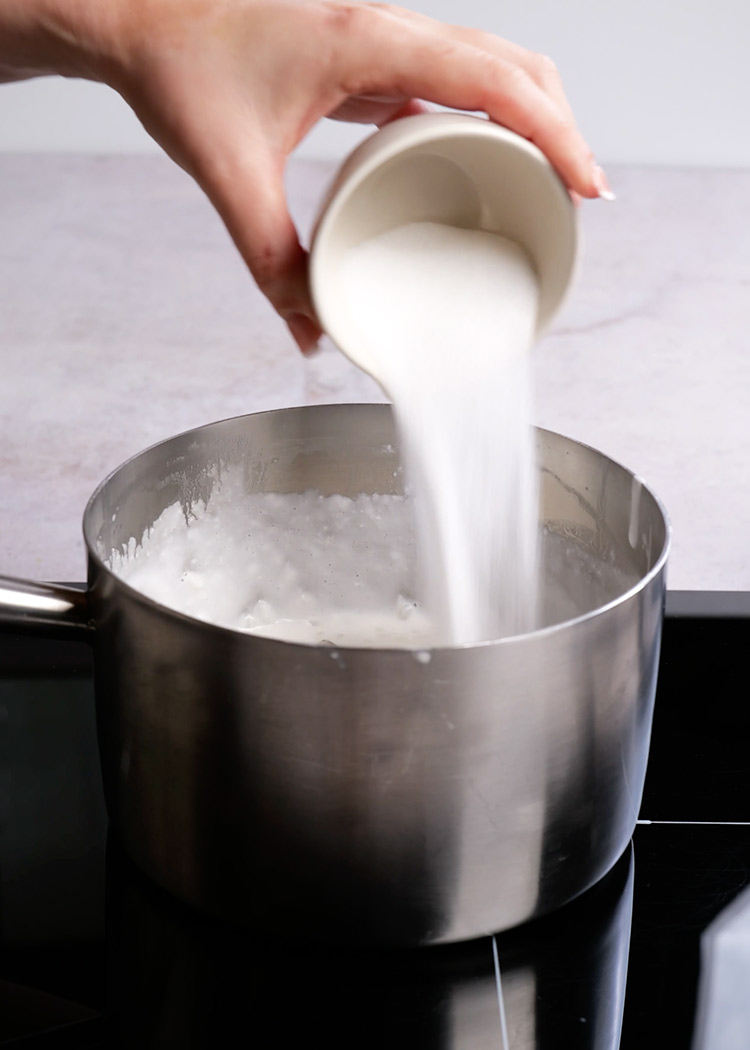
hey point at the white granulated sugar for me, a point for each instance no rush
(447, 316)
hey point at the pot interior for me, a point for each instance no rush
(602, 532)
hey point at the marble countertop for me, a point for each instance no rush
(127, 316)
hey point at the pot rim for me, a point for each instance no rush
(406, 652)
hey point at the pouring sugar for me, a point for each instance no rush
(446, 317)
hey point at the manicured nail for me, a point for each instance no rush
(304, 332)
(602, 185)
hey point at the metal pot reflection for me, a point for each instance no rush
(176, 978)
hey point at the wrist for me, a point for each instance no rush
(55, 38)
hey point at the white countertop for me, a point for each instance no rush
(127, 316)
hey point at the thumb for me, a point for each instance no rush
(248, 193)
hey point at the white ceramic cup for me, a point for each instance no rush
(451, 168)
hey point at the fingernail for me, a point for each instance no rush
(304, 332)
(602, 185)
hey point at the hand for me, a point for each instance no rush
(230, 87)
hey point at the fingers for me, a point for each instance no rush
(247, 190)
(305, 332)
(380, 111)
(230, 93)
(471, 70)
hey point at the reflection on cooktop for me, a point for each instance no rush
(195, 982)
(93, 955)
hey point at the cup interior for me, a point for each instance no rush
(463, 172)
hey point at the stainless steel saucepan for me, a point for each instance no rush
(374, 797)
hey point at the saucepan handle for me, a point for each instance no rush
(28, 605)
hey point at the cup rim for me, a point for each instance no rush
(402, 135)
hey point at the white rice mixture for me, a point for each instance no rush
(305, 568)
(447, 316)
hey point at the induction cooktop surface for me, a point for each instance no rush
(93, 955)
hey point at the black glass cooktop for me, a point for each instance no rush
(93, 955)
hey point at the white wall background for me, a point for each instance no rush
(651, 81)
